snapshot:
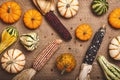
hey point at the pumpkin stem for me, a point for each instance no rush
(32, 19)
(68, 5)
(9, 9)
(118, 17)
(84, 33)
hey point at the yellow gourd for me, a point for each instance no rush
(65, 62)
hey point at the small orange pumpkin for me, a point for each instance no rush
(114, 18)
(32, 19)
(10, 12)
(84, 32)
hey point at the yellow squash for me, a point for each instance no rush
(9, 36)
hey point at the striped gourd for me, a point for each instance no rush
(9, 32)
(9, 36)
(29, 41)
(68, 8)
(114, 48)
(99, 7)
(111, 71)
(13, 61)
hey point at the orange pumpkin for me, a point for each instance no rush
(32, 19)
(10, 12)
(84, 32)
(114, 18)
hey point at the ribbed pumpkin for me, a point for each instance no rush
(114, 48)
(10, 12)
(32, 19)
(114, 18)
(99, 7)
(30, 40)
(13, 61)
(84, 32)
(68, 8)
(65, 62)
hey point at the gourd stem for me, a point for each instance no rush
(63, 71)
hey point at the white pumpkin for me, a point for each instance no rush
(114, 48)
(68, 8)
(13, 61)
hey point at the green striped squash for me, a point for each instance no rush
(29, 40)
(9, 32)
(12, 31)
(99, 7)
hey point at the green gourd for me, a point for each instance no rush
(99, 7)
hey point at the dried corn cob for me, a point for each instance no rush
(45, 55)
(58, 26)
(40, 61)
(51, 18)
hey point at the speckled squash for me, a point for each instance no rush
(65, 62)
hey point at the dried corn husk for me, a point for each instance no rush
(44, 6)
(26, 74)
(85, 72)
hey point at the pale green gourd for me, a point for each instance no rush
(30, 41)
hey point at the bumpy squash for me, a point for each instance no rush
(68, 8)
(32, 19)
(99, 7)
(84, 32)
(13, 61)
(65, 62)
(114, 18)
(29, 40)
(10, 12)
